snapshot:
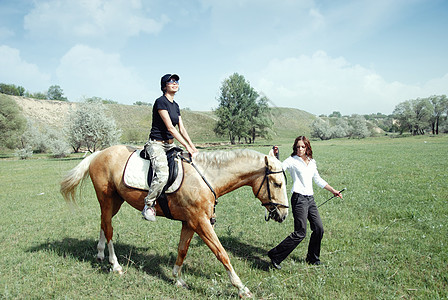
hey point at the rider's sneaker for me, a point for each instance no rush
(149, 213)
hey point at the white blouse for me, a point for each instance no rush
(303, 175)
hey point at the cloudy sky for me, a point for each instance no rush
(351, 56)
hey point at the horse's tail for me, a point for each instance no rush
(75, 176)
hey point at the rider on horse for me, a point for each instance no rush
(165, 116)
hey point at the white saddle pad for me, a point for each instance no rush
(136, 173)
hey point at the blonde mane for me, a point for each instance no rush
(222, 158)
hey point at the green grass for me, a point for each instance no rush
(387, 239)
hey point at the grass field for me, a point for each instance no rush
(388, 238)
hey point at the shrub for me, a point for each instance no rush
(24, 153)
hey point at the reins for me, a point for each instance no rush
(190, 161)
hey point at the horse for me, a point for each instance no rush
(213, 174)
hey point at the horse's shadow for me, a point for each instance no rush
(133, 257)
(85, 251)
(256, 256)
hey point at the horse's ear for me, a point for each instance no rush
(266, 160)
(271, 152)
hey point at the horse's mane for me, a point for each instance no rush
(221, 158)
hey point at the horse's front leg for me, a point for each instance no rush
(208, 235)
(185, 238)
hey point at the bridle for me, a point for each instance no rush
(273, 206)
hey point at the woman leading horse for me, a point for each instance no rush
(193, 203)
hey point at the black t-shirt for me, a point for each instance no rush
(158, 129)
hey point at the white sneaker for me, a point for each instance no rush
(149, 213)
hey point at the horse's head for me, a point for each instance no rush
(271, 190)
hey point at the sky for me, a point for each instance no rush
(320, 56)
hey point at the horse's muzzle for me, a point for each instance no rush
(278, 214)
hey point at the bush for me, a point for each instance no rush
(24, 153)
(321, 129)
(12, 123)
(59, 148)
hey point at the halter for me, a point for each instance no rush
(273, 205)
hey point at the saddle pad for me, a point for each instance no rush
(136, 173)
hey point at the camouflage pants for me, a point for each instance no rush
(157, 153)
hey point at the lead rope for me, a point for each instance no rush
(190, 161)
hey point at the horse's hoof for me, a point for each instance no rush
(181, 284)
(245, 293)
(118, 271)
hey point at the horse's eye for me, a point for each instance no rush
(277, 185)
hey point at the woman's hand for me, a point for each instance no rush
(337, 193)
(192, 150)
(332, 190)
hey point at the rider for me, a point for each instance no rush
(165, 116)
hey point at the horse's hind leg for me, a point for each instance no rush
(109, 207)
(184, 242)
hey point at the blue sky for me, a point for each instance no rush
(351, 56)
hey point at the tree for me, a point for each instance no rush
(11, 89)
(404, 115)
(55, 93)
(416, 115)
(43, 139)
(241, 113)
(341, 129)
(440, 107)
(335, 114)
(359, 127)
(261, 120)
(142, 103)
(90, 127)
(321, 129)
(37, 95)
(100, 100)
(12, 123)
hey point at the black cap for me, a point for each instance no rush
(165, 78)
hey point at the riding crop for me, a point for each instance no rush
(331, 198)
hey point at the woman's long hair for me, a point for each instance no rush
(306, 141)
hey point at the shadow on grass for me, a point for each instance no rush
(258, 257)
(128, 256)
(139, 259)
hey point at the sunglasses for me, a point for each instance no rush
(172, 81)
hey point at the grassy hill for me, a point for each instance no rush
(135, 121)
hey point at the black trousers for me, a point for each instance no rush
(303, 208)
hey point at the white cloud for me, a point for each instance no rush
(89, 72)
(322, 84)
(116, 19)
(14, 70)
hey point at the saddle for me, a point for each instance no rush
(138, 174)
(173, 167)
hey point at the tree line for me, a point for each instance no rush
(418, 116)
(415, 116)
(54, 92)
(243, 115)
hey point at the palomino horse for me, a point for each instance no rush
(193, 203)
